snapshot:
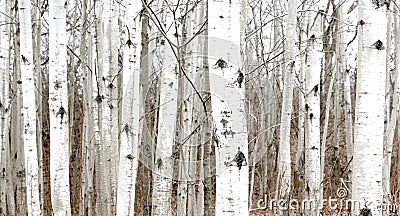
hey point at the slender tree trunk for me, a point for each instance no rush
(128, 159)
(39, 98)
(284, 161)
(110, 105)
(312, 120)
(300, 154)
(228, 108)
(87, 191)
(9, 198)
(342, 68)
(29, 109)
(108, 81)
(58, 105)
(89, 147)
(101, 206)
(185, 103)
(393, 117)
(166, 135)
(209, 157)
(17, 145)
(369, 127)
(5, 180)
(146, 150)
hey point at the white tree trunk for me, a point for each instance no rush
(58, 105)
(86, 55)
(312, 120)
(8, 105)
(393, 118)
(109, 82)
(342, 68)
(128, 158)
(199, 119)
(164, 64)
(208, 142)
(113, 102)
(163, 170)
(284, 161)
(5, 43)
(300, 154)
(29, 108)
(185, 102)
(228, 104)
(102, 206)
(370, 100)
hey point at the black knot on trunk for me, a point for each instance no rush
(61, 112)
(378, 45)
(159, 163)
(221, 63)
(240, 79)
(239, 159)
(98, 99)
(129, 43)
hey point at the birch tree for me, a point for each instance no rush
(29, 108)
(102, 204)
(166, 135)
(394, 109)
(147, 113)
(5, 43)
(163, 172)
(189, 124)
(17, 126)
(128, 158)
(312, 109)
(342, 68)
(228, 108)
(58, 105)
(284, 164)
(86, 48)
(110, 104)
(207, 165)
(368, 126)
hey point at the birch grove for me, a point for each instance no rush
(217, 107)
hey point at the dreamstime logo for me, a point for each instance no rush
(191, 136)
(340, 203)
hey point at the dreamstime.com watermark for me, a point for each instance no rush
(330, 203)
(339, 203)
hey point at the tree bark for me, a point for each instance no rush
(58, 105)
(29, 109)
(284, 161)
(369, 126)
(128, 158)
(313, 148)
